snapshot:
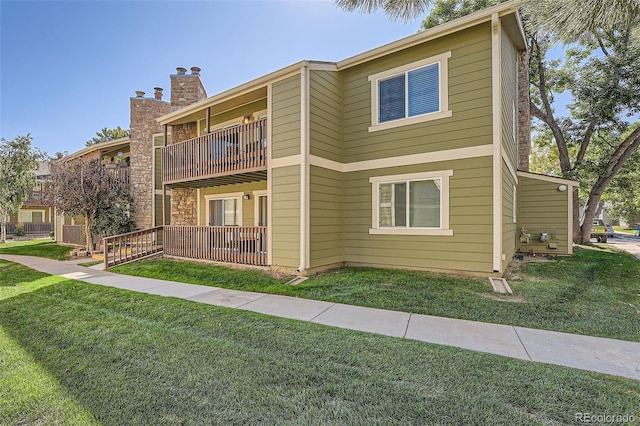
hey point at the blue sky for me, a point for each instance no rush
(68, 68)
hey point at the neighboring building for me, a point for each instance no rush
(137, 159)
(411, 155)
(35, 217)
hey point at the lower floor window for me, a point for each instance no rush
(26, 216)
(224, 212)
(414, 203)
(410, 204)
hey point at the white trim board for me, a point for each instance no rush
(382, 163)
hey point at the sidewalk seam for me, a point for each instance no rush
(522, 343)
(325, 310)
(406, 329)
(251, 301)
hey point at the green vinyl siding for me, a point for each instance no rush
(236, 113)
(509, 228)
(248, 207)
(325, 115)
(469, 100)
(158, 210)
(326, 221)
(509, 70)
(542, 208)
(470, 205)
(285, 216)
(285, 111)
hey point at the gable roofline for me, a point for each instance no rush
(438, 31)
(548, 178)
(503, 9)
(243, 88)
(99, 147)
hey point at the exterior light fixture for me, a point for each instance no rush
(562, 188)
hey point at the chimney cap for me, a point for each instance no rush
(181, 70)
(158, 89)
(195, 70)
(139, 94)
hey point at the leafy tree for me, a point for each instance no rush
(397, 10)
(18, 164)
(106, 135)
(88, 189)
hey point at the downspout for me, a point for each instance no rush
(164, 187)
(304, 164)
(496, 101)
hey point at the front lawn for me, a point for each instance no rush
(76, 353)
(38, 248)
(595, 292)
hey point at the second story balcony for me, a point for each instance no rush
(36, 197)
(238, 150)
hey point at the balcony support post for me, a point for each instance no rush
(208, 121)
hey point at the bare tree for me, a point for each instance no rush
(86, 188)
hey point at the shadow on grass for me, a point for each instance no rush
(141, 359)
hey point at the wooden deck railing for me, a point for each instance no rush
(246, 245)
(238, 149)
(131, 246)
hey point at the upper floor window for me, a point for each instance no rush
(410, 94)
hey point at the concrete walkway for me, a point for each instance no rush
(610, 356)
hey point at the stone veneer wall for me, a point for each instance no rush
(184, 206)
(143, 125)
(185, 90)
(524, 112)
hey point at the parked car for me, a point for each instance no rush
(598, 231)
(609, 229)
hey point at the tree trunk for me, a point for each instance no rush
(3, 228)
(88, 234)
(577, 231)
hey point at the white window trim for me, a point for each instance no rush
(256, 205)
(443, 230)
(515, 205)
(237, 195)
(443, 112)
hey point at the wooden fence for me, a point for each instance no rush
(30, 227)
(73, 234)
(245, 245)
(128, 247)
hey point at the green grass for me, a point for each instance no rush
(622, 230)
(75, 353)
(38, 248)
(595, 292)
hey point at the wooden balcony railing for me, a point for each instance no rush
(229, 151)
(36, 197)
(131, 246)
(246, 245)
(119, 172)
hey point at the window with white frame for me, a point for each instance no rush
(416, 203)
(410, 94)
(31, 216)
(224, 210)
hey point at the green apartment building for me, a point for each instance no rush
(411, 155)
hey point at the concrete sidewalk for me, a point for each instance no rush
(610, 356)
